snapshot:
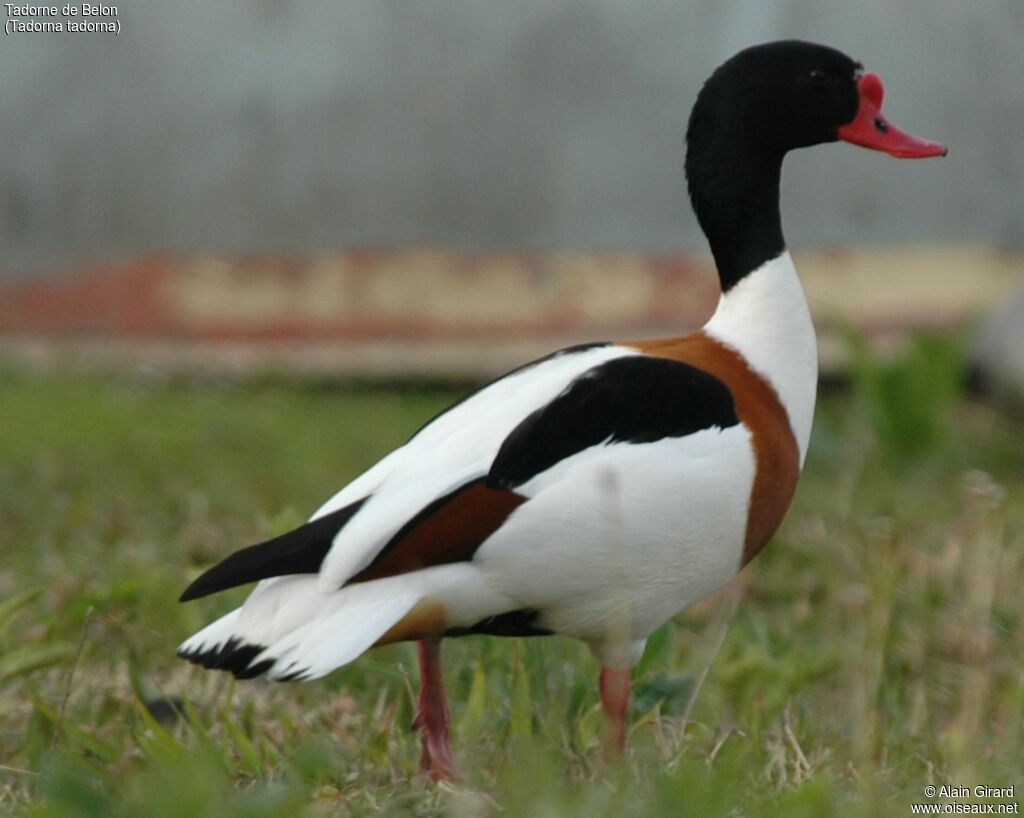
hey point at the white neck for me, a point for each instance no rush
(764, 317)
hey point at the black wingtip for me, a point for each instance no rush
(218, 578)
(194, 591)
(297, 552)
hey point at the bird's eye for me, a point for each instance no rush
(817, 75)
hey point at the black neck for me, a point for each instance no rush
(735, 194)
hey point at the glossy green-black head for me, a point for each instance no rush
(758, 105)
(778, 96)
(775, 97)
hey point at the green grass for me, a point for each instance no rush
(877, 648)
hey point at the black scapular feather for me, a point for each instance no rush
(635, 399)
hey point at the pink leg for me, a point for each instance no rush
(432, 718)
(615, 701)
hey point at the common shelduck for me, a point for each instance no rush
(598, 491)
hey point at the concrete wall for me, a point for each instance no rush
(276, 125)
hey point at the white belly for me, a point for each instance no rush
(611, 546)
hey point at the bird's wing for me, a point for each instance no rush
(426, 502)
(619, 401)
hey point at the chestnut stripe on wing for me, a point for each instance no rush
(450, 529)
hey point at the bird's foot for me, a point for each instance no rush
(436, 759)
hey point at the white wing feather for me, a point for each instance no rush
(456, 447)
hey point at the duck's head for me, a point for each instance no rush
(791, 94)
(756, 107)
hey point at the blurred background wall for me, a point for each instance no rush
(280, 126)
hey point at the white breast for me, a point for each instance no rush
(765, 318)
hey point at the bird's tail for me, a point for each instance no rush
(289, 630)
